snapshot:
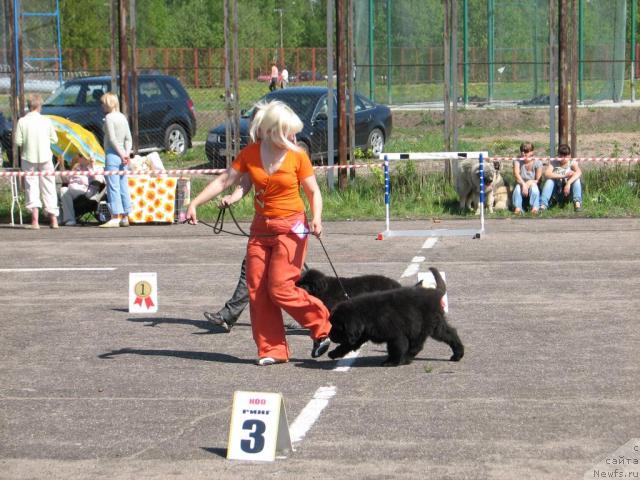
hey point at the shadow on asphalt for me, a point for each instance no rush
(205, 356)
(221, 452)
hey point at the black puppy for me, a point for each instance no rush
(328, 288)
(402, 318)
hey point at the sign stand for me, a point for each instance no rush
(259, 429)
(143, 292)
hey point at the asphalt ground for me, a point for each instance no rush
(549, 385)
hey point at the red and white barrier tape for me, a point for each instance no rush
(578, 159)
(171, 173)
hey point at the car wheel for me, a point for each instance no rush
(375, 142)
(175, 139)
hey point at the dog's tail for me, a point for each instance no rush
(441, 286)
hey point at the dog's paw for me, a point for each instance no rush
(457, 354)
(335, 353)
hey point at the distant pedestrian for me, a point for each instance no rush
(34, 135)
(274, 77)
(284, 77)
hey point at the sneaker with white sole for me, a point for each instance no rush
(266, 361)
(124, 222)
(320, 347)
(113, 223)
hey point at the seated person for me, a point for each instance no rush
(78, 186)
(527, 172)
(562, 178)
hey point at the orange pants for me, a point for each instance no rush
(274, 258)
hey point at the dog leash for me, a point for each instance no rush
(218, 227)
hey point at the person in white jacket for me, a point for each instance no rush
(34, 136)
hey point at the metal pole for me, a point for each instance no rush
(113, 54)
(389, 100)
(581, 49)
(447, 80)
(59, 43)
(371, 56)
(634, 25)
(552, 76)
(342, 93)
(351, 87)
(574, 77)
(236, 74)
(563, 72)
(135, 131)
(536, 51)
(14, 46)
(227, 88)
(330, 109)
(465, 53)
(124, 73)
(454, 71)
(490, 52)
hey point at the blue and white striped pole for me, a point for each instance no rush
(481, 161)
(387, 190)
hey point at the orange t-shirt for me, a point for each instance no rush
(276, 195)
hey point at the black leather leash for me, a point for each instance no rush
(218, 227)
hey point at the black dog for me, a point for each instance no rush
(402, 318)
(328, 288)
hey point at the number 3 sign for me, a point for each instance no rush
(259, 427)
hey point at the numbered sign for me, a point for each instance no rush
(259, 427)
(429, 282)
(143, 292)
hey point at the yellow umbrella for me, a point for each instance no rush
(74, 139)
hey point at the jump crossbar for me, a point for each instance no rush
(442, 232)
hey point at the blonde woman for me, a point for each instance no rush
(277, 246)
(117, 148)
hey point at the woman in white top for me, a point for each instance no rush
(117, 148)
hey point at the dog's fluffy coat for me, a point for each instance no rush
(467, 183)
(402, 318)
(329, 291)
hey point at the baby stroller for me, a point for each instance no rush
(92, 205)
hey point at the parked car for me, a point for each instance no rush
(166, 117)
(373, 124)
(5, 138)
(308, 76)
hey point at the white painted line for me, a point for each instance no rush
(430, 242)
(69, 269)
(411, 270)
(310, 413)
(418, 259)
(345, 363)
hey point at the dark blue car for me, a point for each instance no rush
(373, 124)
(166, 118)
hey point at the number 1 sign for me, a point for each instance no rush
(143, 292)
(259, 427)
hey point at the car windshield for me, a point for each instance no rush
(303, 105)
(71, 94)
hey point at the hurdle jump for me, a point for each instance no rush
(441, 232)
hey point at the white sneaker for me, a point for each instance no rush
(70, 223)
(114, 222)
(124, 222)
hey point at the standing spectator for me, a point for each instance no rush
(274, 77)
(117, 148)
(562, 178)
(35, 134)
(527, 173)
(284, 77)
(278, 240)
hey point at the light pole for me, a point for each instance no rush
(280, 11)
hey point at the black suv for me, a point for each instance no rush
(166, 117)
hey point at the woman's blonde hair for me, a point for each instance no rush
(276, 122)
(111, 101)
